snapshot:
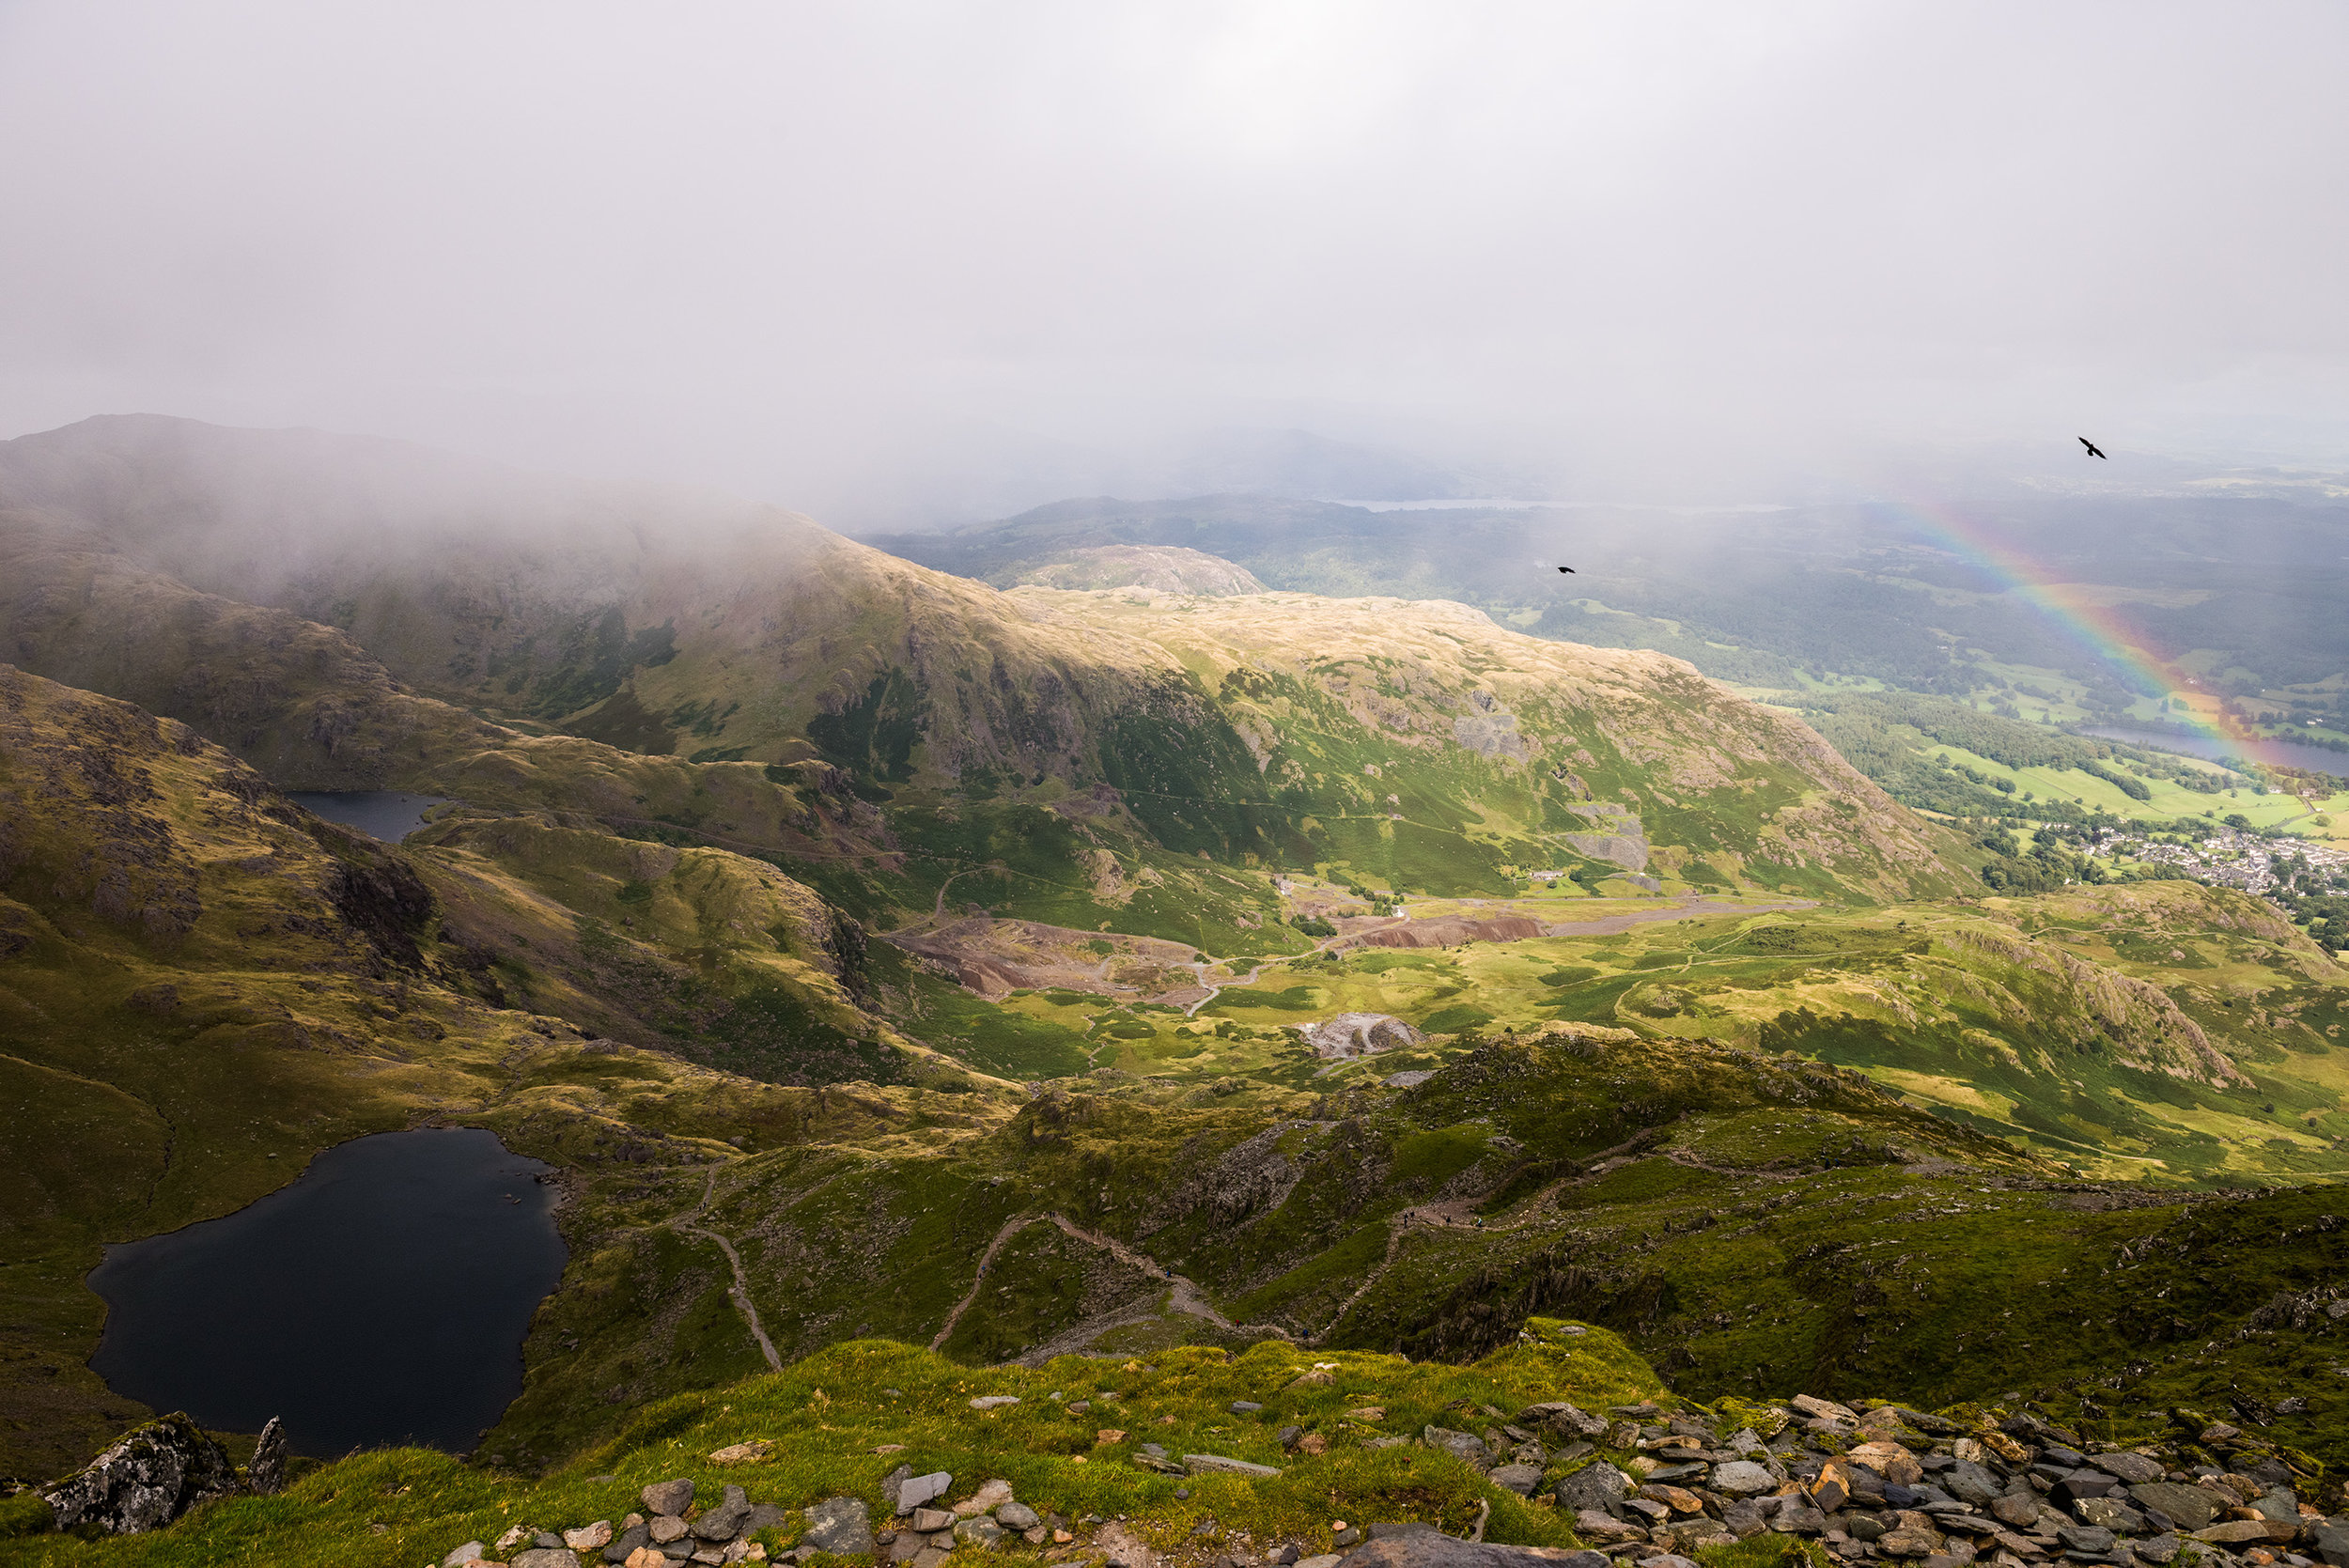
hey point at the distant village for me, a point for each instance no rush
(2231, 858)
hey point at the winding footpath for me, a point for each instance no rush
(740, 1289)
(1184, 1295)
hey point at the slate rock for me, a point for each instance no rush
(1244, 1408)
(1970, 1483)
(890, 1484)
(1520, 1479)
(545, 1557)
(2186, 1506)
(1564, 1419)
(2228, 1532)
(2135, 1468)
(2111, 1513)
(1742, 1477)
(914, 1491)
(266, 1474)
(1428, 1548)
(2278, 1504)
(1798, 1518)
(157, 1472)
(928, 1521)
(2158, 1551)
(2084, 1484)
(465, 1554)
(667, 1497)
(627, 1542)
(1597, 1484)
(842, 1525)
(1018, 1516)
(2085, 1538)
(1592, 1525)
(1219, 1463)
(979, 1532)
(1742, 1516)
(2329, 1541)
(1464, 1446)
(2019, 1510)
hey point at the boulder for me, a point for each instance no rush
(2085, 1538)
(2134, 1468)
(2187, 1507)
(266, 1474)
(725, 1520)
(1564, 1418)
(1592, 1525)
(1891, 1460)
(157, 1472)
(1597, 1485)
(914, 1491)
(2111, 1513)
(667, 1497)
(985, 1500)
(1520, 1479)
(2329, 1541)
(2017, 1508)
(842, 1525)
(1464, 1446)
(1970, 1482)
(1795, 1517)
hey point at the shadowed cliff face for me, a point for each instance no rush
(347, 611)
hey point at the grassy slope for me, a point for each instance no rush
(828, 1413)
(202, 985)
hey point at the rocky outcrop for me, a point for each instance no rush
(1352, 1034)
(266, 1474)
(152, 1476)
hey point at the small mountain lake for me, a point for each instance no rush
(384, 813)
(382, 1299)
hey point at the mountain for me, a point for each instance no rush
(669, 623)
(1132, 971)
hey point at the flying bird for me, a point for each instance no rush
(1565, 568)
(2091, 449)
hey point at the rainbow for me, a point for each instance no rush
(2099, 630)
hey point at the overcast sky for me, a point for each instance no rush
(798, 249)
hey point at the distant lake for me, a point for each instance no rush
(382, 1299)
(384, 813)
(2284, 753)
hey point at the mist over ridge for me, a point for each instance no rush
(898, 268)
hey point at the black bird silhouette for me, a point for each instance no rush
(1565, 568)
(2091, 449)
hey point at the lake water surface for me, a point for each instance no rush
(2283, 753)
(384, 813)
(382, 1299)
